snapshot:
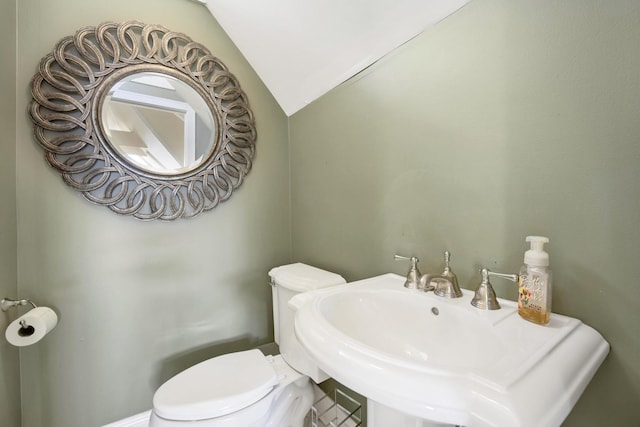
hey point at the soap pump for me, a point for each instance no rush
(534, 287)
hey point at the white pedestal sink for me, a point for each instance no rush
(443, 360)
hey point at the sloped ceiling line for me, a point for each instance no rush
(301, 49)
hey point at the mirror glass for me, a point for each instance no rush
(158, 123)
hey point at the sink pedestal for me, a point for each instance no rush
(379, 415)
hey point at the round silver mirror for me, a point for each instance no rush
(142, 120)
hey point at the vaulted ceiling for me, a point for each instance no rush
(301, 49)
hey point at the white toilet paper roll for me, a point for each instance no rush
(38, 322)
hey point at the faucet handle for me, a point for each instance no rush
(485, 297)
(413, 276)
(413, 259)
(512, 277)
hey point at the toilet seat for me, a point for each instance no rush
(216, 387)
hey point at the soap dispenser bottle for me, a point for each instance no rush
(534, 296)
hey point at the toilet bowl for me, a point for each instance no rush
(249, 389)
(238, 389)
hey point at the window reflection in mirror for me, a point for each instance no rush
(159, 123)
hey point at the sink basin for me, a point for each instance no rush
(444, 360)
(399, 327)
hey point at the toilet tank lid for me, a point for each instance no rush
(216, 387)
(301, 277)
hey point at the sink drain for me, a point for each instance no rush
(435, 310)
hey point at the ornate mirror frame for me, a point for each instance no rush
(68, 92)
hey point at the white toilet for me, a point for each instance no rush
(248, 389)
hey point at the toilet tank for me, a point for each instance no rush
(286, 282)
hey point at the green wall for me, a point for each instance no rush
(507, 119)
(9, 365)
(137, 302)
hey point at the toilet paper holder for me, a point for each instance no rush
(8, 303)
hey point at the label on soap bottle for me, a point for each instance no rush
(532, 293)
(534, 298)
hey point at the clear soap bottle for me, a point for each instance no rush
(534, 293)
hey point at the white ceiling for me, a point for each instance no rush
(301, 49)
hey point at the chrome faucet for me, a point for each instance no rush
(447, 283)
(444, 285)
(485, 296)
